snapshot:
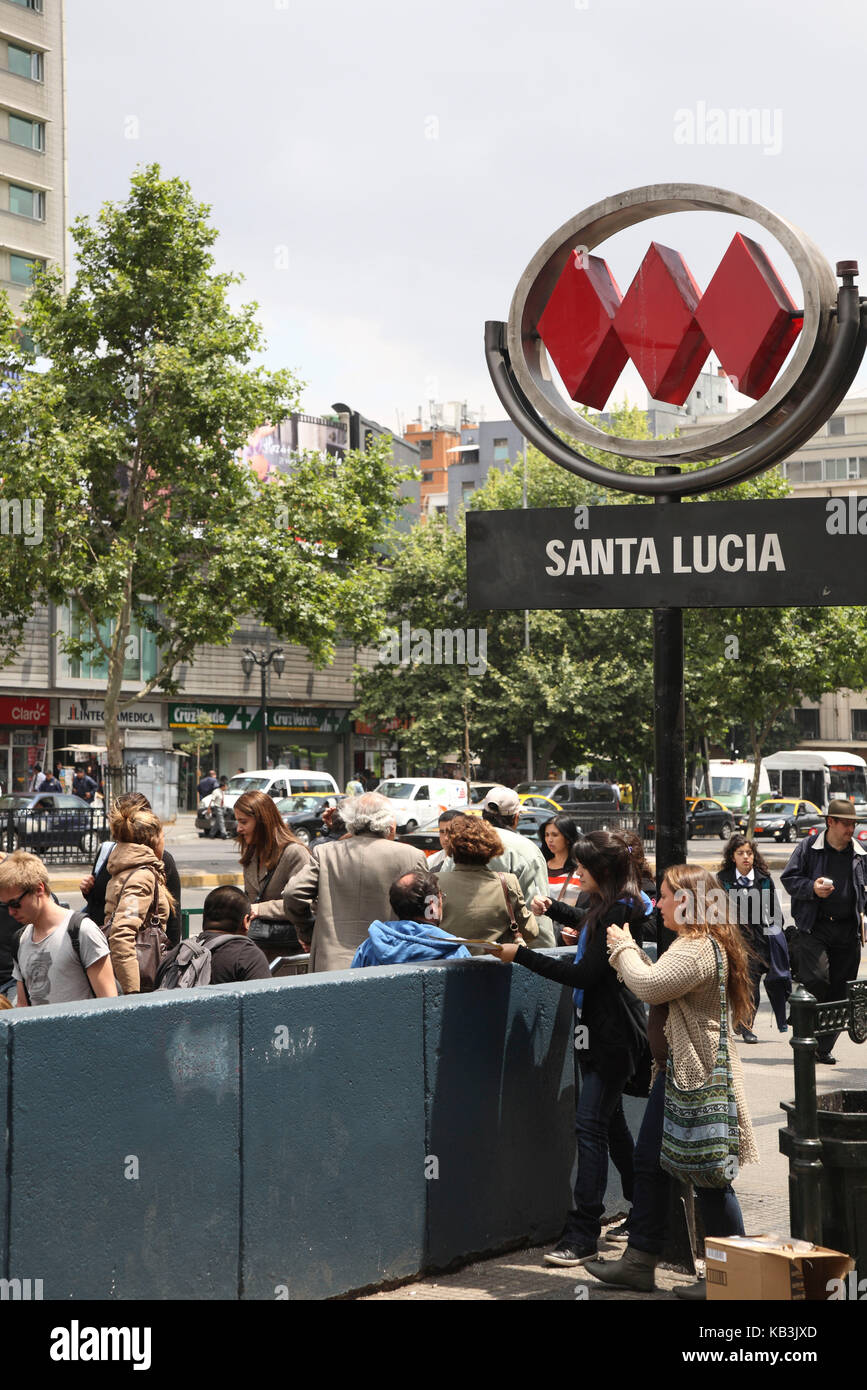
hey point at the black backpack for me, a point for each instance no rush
(189, 964)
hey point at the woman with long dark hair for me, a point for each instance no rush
(612, 1033)
(706, 964)
(747, 879)
(558, 837)
(270, 856)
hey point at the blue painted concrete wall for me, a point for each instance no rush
(296, 1138)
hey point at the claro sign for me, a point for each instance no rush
(17, 711)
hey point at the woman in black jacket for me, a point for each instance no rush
(747, 879)
(611, 1036)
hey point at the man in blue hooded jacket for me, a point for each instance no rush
(417, 903)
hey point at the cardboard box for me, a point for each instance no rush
(771, 1268)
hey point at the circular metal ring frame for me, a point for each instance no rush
(603, 220)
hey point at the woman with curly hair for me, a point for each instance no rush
(747, 879)
(270, 856)
(479, 904)
(686, 978)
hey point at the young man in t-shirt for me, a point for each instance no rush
(227, 912)
(48, 968)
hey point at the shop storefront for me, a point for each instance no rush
(24, 726)
(375, 751)
(305, 736)
(146, 745)
(299, 736)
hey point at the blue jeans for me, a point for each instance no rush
(720, 1210)
(599, 1121)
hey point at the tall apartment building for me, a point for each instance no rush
(32, 142)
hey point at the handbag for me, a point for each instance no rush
(514, 931)
(277, 932)
(700, 1137)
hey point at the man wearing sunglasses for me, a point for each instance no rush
(47, 966)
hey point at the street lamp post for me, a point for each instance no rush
(263, 661)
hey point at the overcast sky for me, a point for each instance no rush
(381, 173)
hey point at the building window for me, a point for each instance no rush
(812, 470)
(23, 268)
(807, 723)
(837, 424)
(794, 471)
(467, 490)
(26, 202)
(501, 450)
(30, 134)
(29, 5)
(141, 651)
(859, 723)
(425, 448)
(24, 62)
(427, 477)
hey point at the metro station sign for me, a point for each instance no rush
(702, 555)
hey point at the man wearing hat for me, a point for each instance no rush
(826, 878)
(501, 809)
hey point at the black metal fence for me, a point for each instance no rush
(67, 836)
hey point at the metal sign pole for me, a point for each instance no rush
(668, 733)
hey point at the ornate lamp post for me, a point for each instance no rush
(263, 661)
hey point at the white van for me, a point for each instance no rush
(416, 800)
(731, 783)
(279, 782)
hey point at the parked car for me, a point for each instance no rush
(534, 802)
(595, 802)
(708, 816)
(47, 819)
(786, 819)
(303, 814)
(427, 837)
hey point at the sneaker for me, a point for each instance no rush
(568, 1254)
(826, 1058)
(782, 1027)
(618, 1232)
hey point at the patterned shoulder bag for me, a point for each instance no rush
(700, 1138)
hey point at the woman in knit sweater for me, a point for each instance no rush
(685, 978)
(611, 1039)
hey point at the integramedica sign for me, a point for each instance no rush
(695, 555)
(144, 714)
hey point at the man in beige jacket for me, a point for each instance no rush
(345, 885)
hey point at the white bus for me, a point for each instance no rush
(820, 775)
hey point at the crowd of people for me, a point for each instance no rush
(657, 1028)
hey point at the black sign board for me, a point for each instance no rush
(686, 555)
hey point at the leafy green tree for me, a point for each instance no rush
(130, 439)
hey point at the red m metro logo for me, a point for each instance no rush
(666, 326)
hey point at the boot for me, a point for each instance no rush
(633, 1271)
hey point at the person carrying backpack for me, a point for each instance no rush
(223, 952)
(59, 955)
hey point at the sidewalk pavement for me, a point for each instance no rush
(762, 1188)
